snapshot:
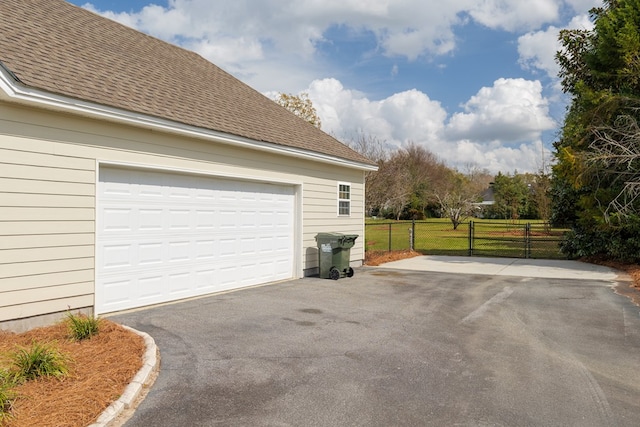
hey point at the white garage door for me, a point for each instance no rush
(163, 237)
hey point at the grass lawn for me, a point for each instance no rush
(490, 237)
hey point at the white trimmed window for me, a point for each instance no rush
(344, 199)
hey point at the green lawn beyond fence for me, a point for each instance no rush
(517, 239)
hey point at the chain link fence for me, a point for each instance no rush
(480, 238)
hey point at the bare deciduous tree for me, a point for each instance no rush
(456, 198)
(412, 179)
(540, 188)
(370, 146)
(614, 156)
(376, 183)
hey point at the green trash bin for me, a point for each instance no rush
(334, 254)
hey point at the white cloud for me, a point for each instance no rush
(512, 110)
(515, 15)
(130, 20)
(235, 50)
(581, 6)
(404, 28)
(402, 117)
(503, 136)
(273, 45)
(537, 49)
(256, 41)
(164, 23)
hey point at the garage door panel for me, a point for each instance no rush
(116, 292)
(117, 220)
(205, 219)
(115, 183)
(227, 276)
(179, 219)
(179, 193)
(179, 251)
(205, 250)
(179, 284)
(206, 280)
(165, 236)
(149, 193)
(150, 219)
(117, 256)
(150, 288)
(150, 253)
(227, 247)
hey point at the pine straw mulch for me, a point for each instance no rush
(374, 258)
(100, 369)
(633, 270)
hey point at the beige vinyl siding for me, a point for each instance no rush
(51, 279)
(32, 186)
(41, 307)
(45, 240)
(53, 201)
(25, 297)
(46, 231)
(19, 269)
(48, 174)
(44, 228)
(34, 213)
(44, 173)
(15, 256)
(321, 212)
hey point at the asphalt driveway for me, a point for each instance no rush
(396, 347)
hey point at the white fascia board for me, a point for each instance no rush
(35, 97)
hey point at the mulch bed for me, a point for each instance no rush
(633, 270)
(374, 258)
(100, 369)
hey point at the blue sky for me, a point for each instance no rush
(473, 81)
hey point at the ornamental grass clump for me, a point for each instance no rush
(82, 327)
(39, 360)
(7, 395)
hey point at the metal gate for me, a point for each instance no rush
(473, 238)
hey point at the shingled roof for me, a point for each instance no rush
(56, 47)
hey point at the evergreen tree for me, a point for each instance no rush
(600, 69)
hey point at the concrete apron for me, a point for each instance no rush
(516, 267)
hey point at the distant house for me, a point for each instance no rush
(134, 172)
(488, 196)
(488, 199)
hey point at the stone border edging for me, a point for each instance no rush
(144, 377)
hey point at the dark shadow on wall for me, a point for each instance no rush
(311, 259)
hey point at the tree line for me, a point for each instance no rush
(596, 180)
(414, 183)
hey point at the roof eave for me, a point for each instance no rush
(26, 95)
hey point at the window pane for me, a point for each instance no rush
(344, 208)
(344, 192)
(344, 202)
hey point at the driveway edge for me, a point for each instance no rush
(132, 394)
